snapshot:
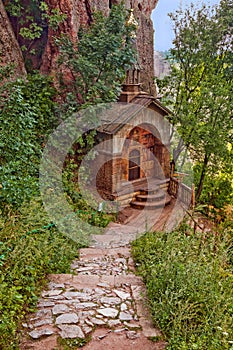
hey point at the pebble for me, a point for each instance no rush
(132, 335)
(123, 307)
(89, 323)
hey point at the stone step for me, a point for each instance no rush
(154, 197)
(153, 190)
(151, 205)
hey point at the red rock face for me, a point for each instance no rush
(79, 12)
(9, 48)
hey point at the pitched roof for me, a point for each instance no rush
(122, 113)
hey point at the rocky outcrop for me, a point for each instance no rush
(161, 65)
(79, 12)
(10, 52)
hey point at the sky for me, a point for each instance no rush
(162, 23)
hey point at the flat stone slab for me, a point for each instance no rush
(103, 293)
(60, 309)
(110, 300)
(36, 334)
(125, 316)
(108, 312)
(67, 319)
(71, 332)
(122, 295)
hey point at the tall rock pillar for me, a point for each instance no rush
(79, 12)
(10, 52)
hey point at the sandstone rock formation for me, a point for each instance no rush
(79, 12)
(161, 66)
(10, 52)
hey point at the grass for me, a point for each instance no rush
(30, 248)
(189, 280)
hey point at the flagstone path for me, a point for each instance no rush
(101, 300)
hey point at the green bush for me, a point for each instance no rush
(30, 248)
(189, 282)
(27, 116)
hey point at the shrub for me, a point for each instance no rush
(189, 283)
(27, 116)
(30, 248)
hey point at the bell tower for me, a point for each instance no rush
(131, 87)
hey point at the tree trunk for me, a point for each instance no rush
(202, 178)
(10, 52)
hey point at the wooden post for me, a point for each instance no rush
(193, 196)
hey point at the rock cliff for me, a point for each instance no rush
(10, 52)
(79, 12)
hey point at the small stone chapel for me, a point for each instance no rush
(134, 148)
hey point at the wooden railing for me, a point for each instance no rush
(181, 191)
(173, 187)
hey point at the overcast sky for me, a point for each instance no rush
(162, 23)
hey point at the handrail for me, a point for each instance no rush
(181, 191)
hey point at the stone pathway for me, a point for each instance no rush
(102, 299)
(139, 222)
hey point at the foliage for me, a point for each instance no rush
(26, 118)
(199, 88)
(189, 282)
(97, 66)
(73, 344)
(30, 248)
(79, 205)
(30, 22)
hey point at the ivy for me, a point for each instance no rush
(26, 118)
(97, 66)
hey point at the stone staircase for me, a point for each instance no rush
(151, 199)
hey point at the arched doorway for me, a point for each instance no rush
(134, 165)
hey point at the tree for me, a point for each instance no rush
(97, 64)
(199, 88)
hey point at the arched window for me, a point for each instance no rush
(134, 165)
